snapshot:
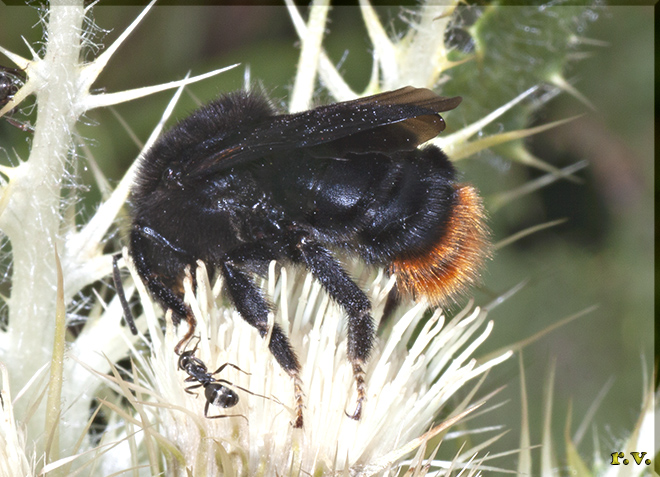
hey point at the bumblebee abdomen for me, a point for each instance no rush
(453, 262)
(409, 207)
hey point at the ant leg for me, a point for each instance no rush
(325, 268)
(192, 324)
(188, 389)
(253, 308)
(221, 416)
(224, 381)
(229, 364)
(206, 413)
(192, 351)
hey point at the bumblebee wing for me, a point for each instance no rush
(396, 120)
(393, 121)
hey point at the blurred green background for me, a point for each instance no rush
(602, 255)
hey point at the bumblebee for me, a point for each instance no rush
(238, 185)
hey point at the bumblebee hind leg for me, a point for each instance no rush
(361, 329)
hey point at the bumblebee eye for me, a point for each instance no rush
(172, 178)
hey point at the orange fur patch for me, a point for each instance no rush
(455, 262)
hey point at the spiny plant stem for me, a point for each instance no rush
(32, 220)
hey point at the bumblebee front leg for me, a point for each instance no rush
(253, 308)
(361, 329)
(163, 294)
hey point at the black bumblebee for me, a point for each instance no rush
(237, 185)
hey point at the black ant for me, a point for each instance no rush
(215, 391)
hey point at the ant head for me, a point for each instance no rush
(187, 357)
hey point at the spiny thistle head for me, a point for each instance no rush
(417, 368)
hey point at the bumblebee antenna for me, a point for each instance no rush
(116, 276)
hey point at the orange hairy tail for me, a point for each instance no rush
(454, 263)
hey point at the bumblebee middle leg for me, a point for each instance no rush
(253, 308)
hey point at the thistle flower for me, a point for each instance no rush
(410, 379)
